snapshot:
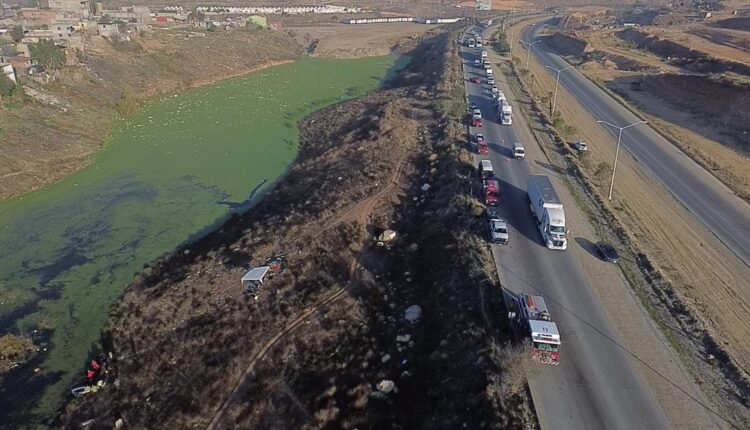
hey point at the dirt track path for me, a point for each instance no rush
(359, 212)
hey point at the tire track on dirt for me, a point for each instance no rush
(360, 212)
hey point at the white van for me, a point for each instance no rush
(518, 151)
(485, 169)
(488, 70)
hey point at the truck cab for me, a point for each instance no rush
(506, 114)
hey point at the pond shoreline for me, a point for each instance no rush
(190, 154)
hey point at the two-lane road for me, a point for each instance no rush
(596, 385)
(715, 205)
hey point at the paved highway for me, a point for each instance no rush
(596, 385)
(714, 204)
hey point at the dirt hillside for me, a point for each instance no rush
(50, 130)
(361, 329)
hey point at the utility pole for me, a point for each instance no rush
(617, 151)
(557, 84)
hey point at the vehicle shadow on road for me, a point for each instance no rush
(501, 150)
(587, 245)
(550, 168)
(521, 222)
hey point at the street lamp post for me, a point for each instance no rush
(557, 83)
(528, 51)
(510, 45)
(617, 151)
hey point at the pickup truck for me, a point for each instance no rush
(498, 228)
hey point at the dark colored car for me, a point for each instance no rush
(607, 252)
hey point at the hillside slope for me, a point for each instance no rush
(52, 129)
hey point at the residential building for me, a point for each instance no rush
(7, 70)
(108, 29)
(484, 4)
(258, 20)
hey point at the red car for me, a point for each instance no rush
(491, 192)
(476, 80)
(476, 122)
(482, 147)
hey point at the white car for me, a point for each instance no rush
(580, 146)
(491, 81)
(498, 228)
(477, 113)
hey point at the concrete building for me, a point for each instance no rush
(484, 4)
(258, 20)
(108, 29)
(378, 20)
(277, 10)
(22, 65)
(7, 70)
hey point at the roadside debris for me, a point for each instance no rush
(413, 313)
(387, 236)
(386, 386)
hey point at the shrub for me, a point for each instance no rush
(47, 54)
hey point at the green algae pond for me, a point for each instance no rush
(170, 172)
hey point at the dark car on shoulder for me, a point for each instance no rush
(607, 252)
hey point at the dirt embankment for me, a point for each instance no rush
(681, 56)
(327, 344)
(565, 44)
(717, 106)
(739, 23)
(353, 41)
(52, 129)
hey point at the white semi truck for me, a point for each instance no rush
(506, 112)
(548, 211)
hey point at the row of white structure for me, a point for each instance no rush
(277, 10)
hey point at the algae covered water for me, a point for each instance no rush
(168, 173)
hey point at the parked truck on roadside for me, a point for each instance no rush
(531, 316)
(548, 211)
(506, 113)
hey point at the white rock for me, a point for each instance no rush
(385, 358)
(413, 313)
(426, 187)
(403, 338)
(385, 386)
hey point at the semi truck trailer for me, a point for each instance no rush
(548, 211)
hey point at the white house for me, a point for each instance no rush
(8, 71)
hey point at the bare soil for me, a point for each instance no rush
(190, 350)
(685, 56)
(705, 115)
(351, 41)
(708, 110)
(696, 282)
